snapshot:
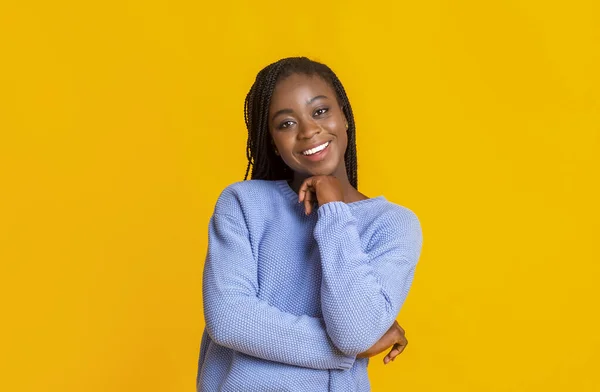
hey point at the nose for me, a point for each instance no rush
(308, 129)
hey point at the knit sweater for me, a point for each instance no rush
(289, 299)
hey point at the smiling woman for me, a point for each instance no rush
(297, 299)
(309, 133)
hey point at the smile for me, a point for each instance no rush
(315, 150)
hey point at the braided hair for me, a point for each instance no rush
(266, 165)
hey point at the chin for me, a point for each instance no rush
(326, 167)
(324, 171)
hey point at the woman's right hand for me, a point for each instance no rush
(394, 338)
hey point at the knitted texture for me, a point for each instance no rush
(290, 299)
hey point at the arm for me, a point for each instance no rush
(361, 293)
(238, 319)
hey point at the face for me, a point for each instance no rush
(308, 126)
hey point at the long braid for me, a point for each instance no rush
(350, 154)
(266, 165)
(247, 111)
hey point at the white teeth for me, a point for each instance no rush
(316, 149)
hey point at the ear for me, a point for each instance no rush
(344, 115)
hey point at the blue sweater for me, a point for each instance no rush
(290, 299)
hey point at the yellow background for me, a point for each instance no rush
(121, 121)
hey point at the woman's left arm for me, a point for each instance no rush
(362, 292)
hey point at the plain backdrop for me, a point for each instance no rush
(122, 121)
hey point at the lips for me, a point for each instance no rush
(317, 153)
(316, 149)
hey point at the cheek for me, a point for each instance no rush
(338, 126)
(284, 143)
(276, 139)
(336, 123)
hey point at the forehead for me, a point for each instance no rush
(298, 89)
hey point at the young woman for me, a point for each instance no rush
(304, 275)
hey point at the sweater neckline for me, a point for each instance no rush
(293, 196)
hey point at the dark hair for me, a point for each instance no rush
(266, 165)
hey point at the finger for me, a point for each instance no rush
(392, 355)
(394, 352)
(304, 189)
(397, 350)
(301, 194)
(307, 204)
(309, 201)
(389, 357)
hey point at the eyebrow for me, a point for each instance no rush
(290, 111)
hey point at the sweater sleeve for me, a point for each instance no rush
(362, 291)
(236, 318)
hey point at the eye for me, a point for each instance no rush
(321, 111)
(286, 124)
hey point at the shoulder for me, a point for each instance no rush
(397, 214)
(242, 195)
(385, 213)
(395, 222)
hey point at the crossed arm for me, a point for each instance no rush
(238, 319)
(359, 306)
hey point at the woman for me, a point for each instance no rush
(304, 275)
